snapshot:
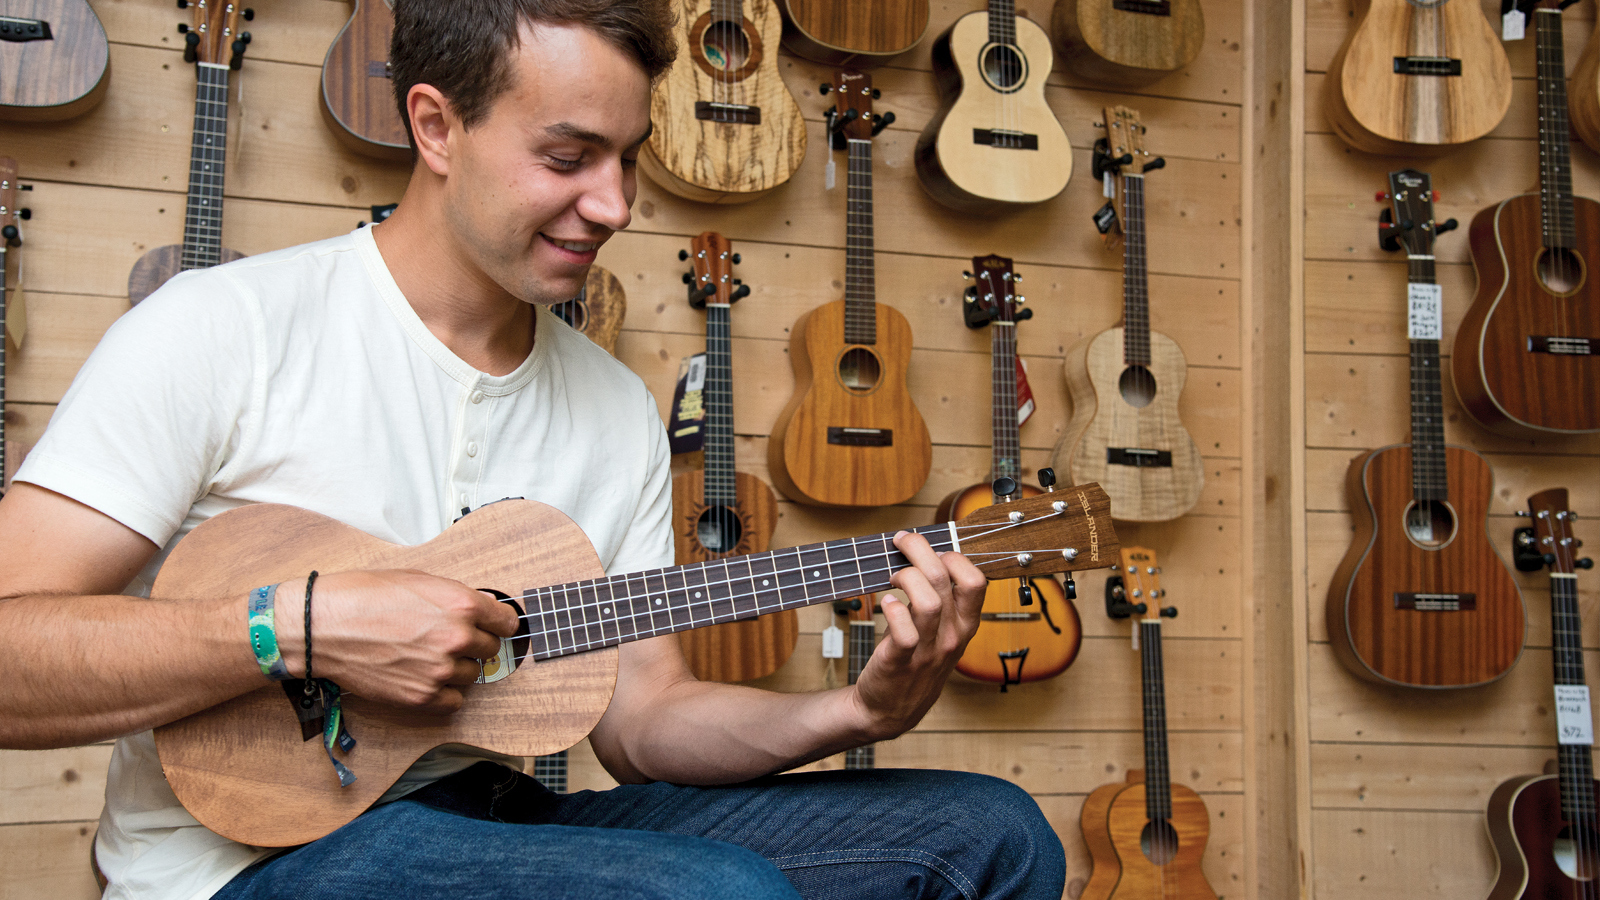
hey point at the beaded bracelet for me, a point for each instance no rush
(264, 633)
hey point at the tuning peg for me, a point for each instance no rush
(1021, 300)
(1584, 563)
(739, 293)
(844, 607)
(236, 62)
(1071, 587)
(191, 42)
(1446, 225)
(183, 28)
(877, 94)
(1024, 594)
(879, 123)
(698, 295)
(683, 255)
(1004, 487)
(25, 213)
(825, 88)
(1047, 478)
(11, 235)
(1387, 238)
(1023, 315)
(1169, 612)
(183, 4)
(249, 14)
(1521, 514)
(736, 259)
(965, 275)
(1016, 278)
(1159, 162)
(1549, 559)
(688, 278)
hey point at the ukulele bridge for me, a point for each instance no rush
(1002, 139)
(861, 437)
(1563, 346)
(1139, 458)
(1144, 7)
(20, 31)
(1442, 66)
(731, 113)
(1435, 602)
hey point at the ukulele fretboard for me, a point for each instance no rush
(1157, 772)
(1003, 365)
(863, 637)
(860, 285)
(1429, 479)
(202, 222)
(1003, 22)
(717, 394)
(1135, 276)
(1575, 762)
(1555, 143)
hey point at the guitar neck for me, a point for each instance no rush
(1575, 762)
(1555, 142)
(202, 223)
(1003, 22)
(863, 636)
(1135, 276)
(1157, 771)
(1007, 444)
(860, 285)
(1428, 476)
(727, 10)
(717, 395)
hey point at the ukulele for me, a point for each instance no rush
(1123, 42)
(1422, 599)
(1147, 835)
(550, 770)
(850, 435)
(221, 762)
(357, 96)
(1543, 827)
(1418, 78)
(1125, 382)
(598, 310)
(10, 236)
(863, 640)
(720, 512)
(213, 37)
(727, 130)
(55, 57)
(994, 144)
(1030, 630)
(1527, 355)
(848, 33)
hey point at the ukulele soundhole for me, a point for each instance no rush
(1561, 271)
(1577, 855)
(725, 46)
(573, 312)
(1138, 386)
(1004, 68)
(1159, 841)
(719, 529)
(1430, 524)
(859, 370)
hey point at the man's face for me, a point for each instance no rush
(544, 179)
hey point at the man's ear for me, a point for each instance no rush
(432, 120)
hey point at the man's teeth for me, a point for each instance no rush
(574, 246)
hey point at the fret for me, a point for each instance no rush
(1003, 22)
(202, 236)
(717, 394)
(1135, 276)
(1157, 774)
(860, 289)
(1555, 156)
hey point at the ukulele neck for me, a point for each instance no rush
(863, 635)
(1007, 444)
(1429, 480)
(1003, 22)
(717, 395)
(1157, 771)
(1555, 143)
(202, 222)
(1135, 276)
(860, 288)
(1575, 764)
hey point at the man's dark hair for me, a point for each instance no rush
(464, 47)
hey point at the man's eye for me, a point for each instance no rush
(628, 163)
(563, 163)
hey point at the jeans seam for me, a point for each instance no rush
(501, 789)
(946, 868)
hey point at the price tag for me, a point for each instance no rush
(1513, 26)
(832, 643)
(1024, 394)
(1574, 723)
(1108, 187)
(1424, 322)
(827, 174)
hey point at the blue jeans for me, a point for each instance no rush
(491, 832)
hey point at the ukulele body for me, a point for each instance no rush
(47, 80)
(357, 97)
(1389, 610)
(1503, 385)
(1375, 109)
(1142, 876)
(598, 312)
(157, 266)
(1525, 824)
(1104, 423)
(812, 465)
(1103, 43)
(735, 651)
(700, 153)
(1583, 93)
(843, 33)
(1104, 867)
(981, 178)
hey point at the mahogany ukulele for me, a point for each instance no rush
(1527, 355)
(216, 46)
(1544, 829)
(727, 130)
(551, 684)
(356, 96)
(849, 33)
(850, 435)
(1030, 630)
(598, 310)
(1123, 42)
(719, 512)
(10, 236)
(1146, 836)
(55, 57)
(1417, 78)
(994, 144)
(1125, 382)
(1422, 599)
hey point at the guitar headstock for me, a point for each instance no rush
(712, 280)
(214, 36)
(1552, 532)
(1409, 221)
(992, 297)
(852, 118)
(10, 235)
(1064, 530)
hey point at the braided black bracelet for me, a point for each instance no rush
(310, 685)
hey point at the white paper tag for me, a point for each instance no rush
(1574, 723)
(1426, 318)
(832, 643)
(1512, 26)
(1108, 186)
(697, 372)
(827, 175)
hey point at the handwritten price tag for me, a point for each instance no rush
(1574, 722)
(1424, 322)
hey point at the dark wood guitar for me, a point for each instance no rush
(10, 236)
(1030, 629)
(357, 97)
(1543, 827)
(719, 512)
(216, 46)
(846, 33)
(1527, 355)
(55, 59)
(1146, 836)
(1422, 599)
(995, 144)
(222, 761)
(598, 310)
(850, 435)
(1123, 42)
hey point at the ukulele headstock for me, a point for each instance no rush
(1140, 571)
(1409, 220)
(1552, 538)
(1120, 150)
(10, 235)
(992, 297)
(213, 36)
(712, 280)
(1064, 530)
(851, 118)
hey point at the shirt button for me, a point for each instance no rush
(477, 397)
(472, 449)
(464, 500)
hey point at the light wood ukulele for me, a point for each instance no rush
(1146, 836)
(850, 435)
(356, 96)
(1125, 382)
(216, 46)
(995, 144)
(1417, 77)
(1123, 42)
(1030, 630)
(718, 512)
(598, 310)
(727, 130)
(55, 60)
(851, 33)
(244, 771)
(1422, 599)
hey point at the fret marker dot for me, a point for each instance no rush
(658, 601)
(697, 595)
(765, 582)
(816, 574)
(607, 610)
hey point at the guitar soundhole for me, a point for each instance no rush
(1430, 524)
(719, 529)
(1138, 386)
(725, 46)
(859, 370)
(1578, 856)
(1004, 67)
(573, 312)
(1159, 841)
(1561, 271)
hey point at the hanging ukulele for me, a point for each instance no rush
(721, 512)
(598, 309)
(10, 236)
(1029, 629)
(1124, 42)
(357, 95)
(55, 59)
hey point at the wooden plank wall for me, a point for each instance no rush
(1400, 778)
(109, 186)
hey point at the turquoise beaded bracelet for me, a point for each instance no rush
(264, 634)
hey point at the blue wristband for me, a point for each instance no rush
(264, 634)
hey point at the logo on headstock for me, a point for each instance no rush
(1094, 533)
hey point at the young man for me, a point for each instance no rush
(390, 379)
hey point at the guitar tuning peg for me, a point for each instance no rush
(1016, 279)
(183, 28)
(249, 14)
(1047, 478)
(1159, 162)
(879, 123)
(688, 278)
(1021, 300)
(1169, 612)
(1521, 514)
(1004, 487)
(1071, 587)
(1446, 225)
(825, 89)
(1023, 315)
(25, 213)
(739, 293)
(183, 4)
(1585, 563)
(877, 94)
(965, 275)
(736, 259)
(970, 294)
(1024, 594)
(683, 255)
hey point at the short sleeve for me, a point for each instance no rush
(647, 544)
